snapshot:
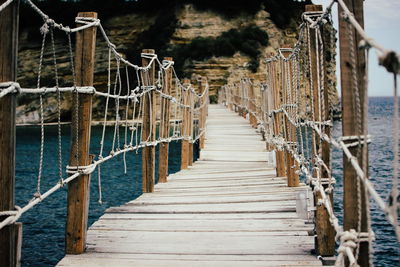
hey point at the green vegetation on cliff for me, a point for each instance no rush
(247, 41)
(283, 12)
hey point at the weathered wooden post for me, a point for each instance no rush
(78, 189)
(165, 126)
(203, 109)
(278, 119)
(252, 105)
(244, 99)
(238, 99)
(229, 98)
(352, 69)
(8, 73)
(325, 239)
(185, 127)
(290, 133)
(191, 119)
(149, 124)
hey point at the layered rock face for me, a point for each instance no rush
(124, 31)
(222, 70)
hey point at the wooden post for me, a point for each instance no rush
(244, 99)
(8, 73)
(78, 189)
(185, 128)
(315, 87)
(165, 126)
(290, 134)
(191, 119)
(277, 90)
(325, 239)
(350, 121)
(149, 126)
(229, 98)
(252, 105)
(18, 243)
(202, 87)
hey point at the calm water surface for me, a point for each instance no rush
(386, 248)
(43, 240)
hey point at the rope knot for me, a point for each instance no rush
(9, 87)
(11, 212)
(348, 239)
(391, 61)
(80, 169)
(44, 29)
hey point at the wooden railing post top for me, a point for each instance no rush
(286, 46)
(311, 8)
(286, 50)
(88, 15)
(169, 58)
(148, 51)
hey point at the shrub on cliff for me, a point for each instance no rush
(247, 41)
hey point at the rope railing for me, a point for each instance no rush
(132, 88)
(294, 115)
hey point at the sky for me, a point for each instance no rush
(382, 23)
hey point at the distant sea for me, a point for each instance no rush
(43, 226)
(380, 122)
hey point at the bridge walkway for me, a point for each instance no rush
(228, 209)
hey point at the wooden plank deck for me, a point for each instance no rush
(228, 209)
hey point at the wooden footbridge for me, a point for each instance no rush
(245, 202)
(228, 209)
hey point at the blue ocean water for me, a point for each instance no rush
(380, 122)
(43, 240)
(43, 226)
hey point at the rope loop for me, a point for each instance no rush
(79, 169)
(9, 87)
(11, 212)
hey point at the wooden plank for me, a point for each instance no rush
(228, 155)
(221, 185)
(8, 73)
(78, 189)
(238, 243)
(186, 216)
(283, 258)
(165, 126)
(224, 181)
(166, 200)
(149, 123)
(207, 208)
(234, 174)
(205, 263)
(274, 227)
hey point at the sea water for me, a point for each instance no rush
(44, 225)
(380, 121)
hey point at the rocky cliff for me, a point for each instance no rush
(175, 29)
